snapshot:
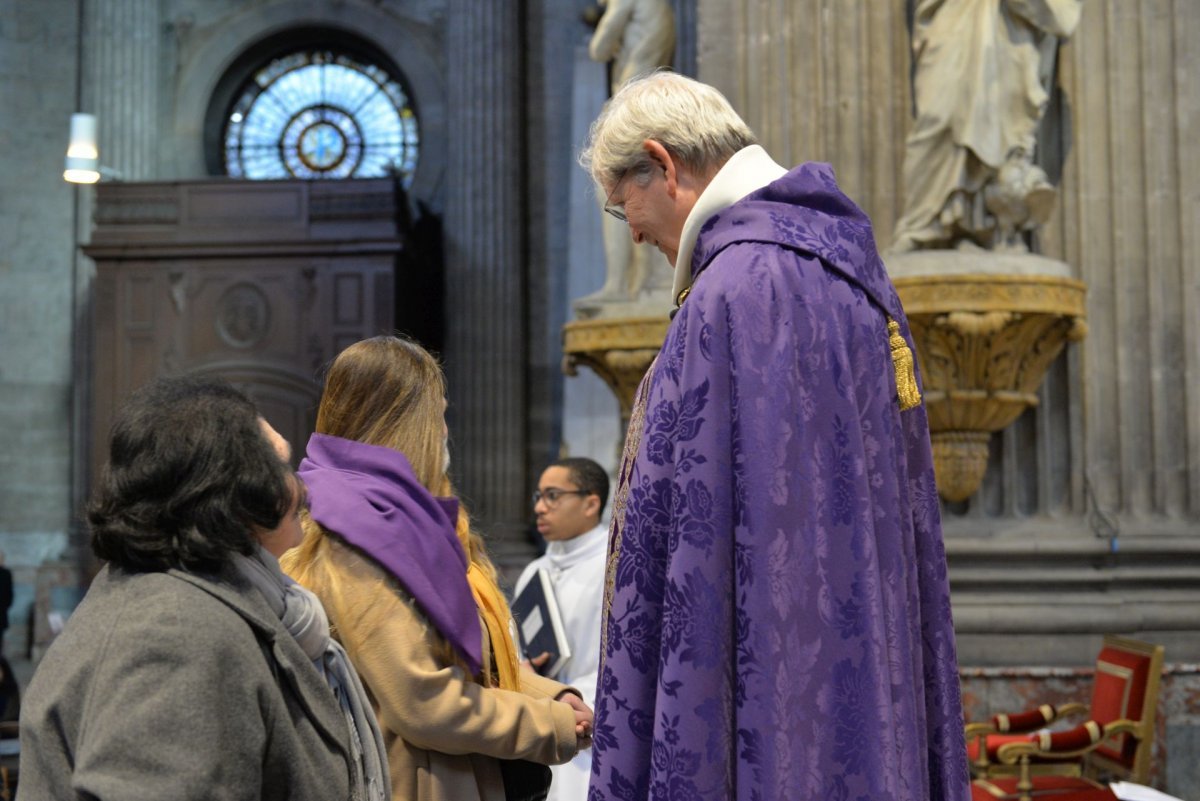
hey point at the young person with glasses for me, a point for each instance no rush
(568, 505)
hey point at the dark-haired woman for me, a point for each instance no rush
(193, 668)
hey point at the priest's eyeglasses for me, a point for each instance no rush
(617, 210)
(552, 495)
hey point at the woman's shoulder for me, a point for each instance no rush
(350, 571)
(192, 595)
(350, 562)
(134, 621)
(358, 592)
(199, 608)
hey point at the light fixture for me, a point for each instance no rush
(83, 159)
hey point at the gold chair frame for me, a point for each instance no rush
(1027, 760)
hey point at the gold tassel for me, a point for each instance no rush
(906, 375)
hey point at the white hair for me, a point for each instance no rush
(692, 120)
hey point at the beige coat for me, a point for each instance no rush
(444, 732)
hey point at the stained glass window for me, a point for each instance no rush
(321, 114)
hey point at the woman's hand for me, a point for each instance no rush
(583, 718)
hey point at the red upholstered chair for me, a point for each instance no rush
(1018, 757)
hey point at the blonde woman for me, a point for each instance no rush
(412, 594)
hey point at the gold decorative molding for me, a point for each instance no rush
(984, 343)
(981, 292)
(619, 350)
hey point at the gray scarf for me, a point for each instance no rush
(303, 616)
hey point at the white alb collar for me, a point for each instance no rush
(566, 553)
(747, 170)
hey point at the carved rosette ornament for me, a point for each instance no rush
(984, 343)
(618, 349)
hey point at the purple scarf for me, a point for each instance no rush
(370, 496)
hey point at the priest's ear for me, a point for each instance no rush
(663, 160)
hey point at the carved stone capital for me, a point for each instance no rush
(984, 343)
(619, 350)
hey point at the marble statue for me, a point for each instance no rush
(987, 315)
(982, 76)
(635, 37)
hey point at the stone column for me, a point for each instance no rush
(119, 69)
(685, 36)
(818, 81)
(1115, 437)
(122, 66)
(1128, 218)
(485, 270)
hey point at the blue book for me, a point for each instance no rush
(540, 625)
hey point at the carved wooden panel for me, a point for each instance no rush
(258, 283)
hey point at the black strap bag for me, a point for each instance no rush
(525, 780)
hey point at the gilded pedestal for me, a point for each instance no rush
(984, 342)
(618, 349)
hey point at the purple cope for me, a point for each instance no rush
(777, 614)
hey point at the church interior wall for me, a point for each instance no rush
(833, 84)
(1087, 520)
(1111, 454)
(555, 30)
(38, 52)
(207, 41)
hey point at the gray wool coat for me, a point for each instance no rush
(178, 686)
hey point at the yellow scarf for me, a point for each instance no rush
(493, 609)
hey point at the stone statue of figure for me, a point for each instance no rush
(636, 36)
(982, 74)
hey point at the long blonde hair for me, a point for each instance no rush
(391, 392)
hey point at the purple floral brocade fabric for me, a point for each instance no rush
(777, 621)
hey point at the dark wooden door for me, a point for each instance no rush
(260, 283)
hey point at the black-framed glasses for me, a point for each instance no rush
(552, 495)
(609, 208)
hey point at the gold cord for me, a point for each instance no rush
(906, 374)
